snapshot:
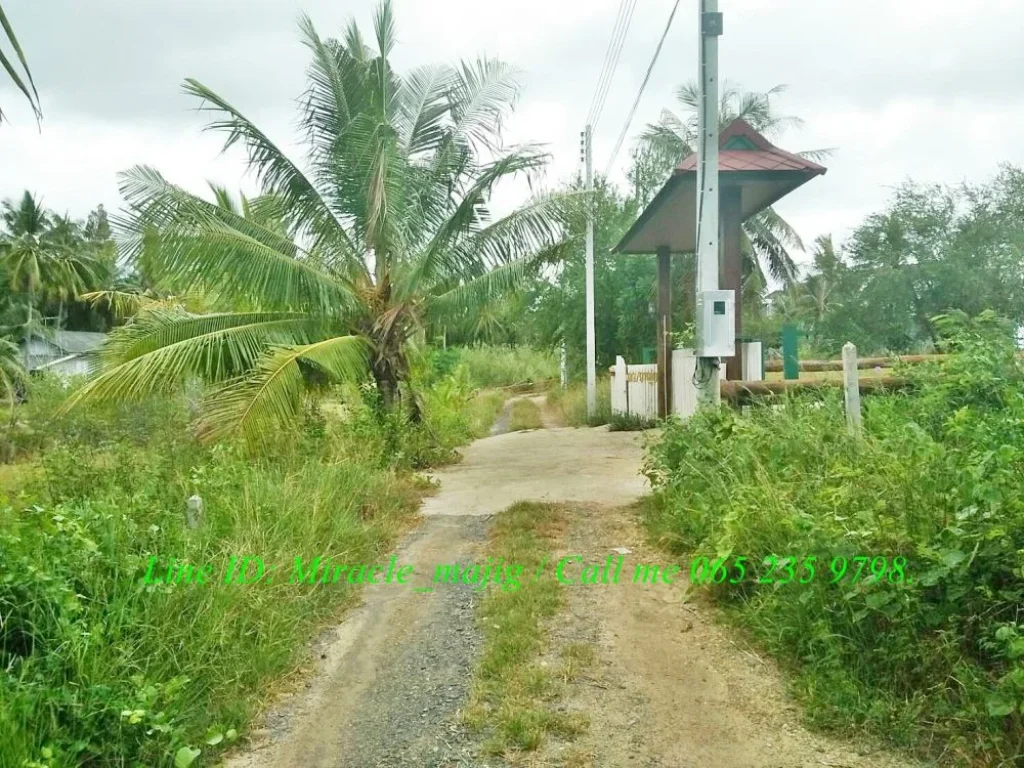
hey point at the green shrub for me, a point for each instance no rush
(628, 422)
(524, 415)
(935, 479)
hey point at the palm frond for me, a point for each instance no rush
(494, 285)
(270, 397)
(817, 155)
(483, 92)
(162, 349)
(8, 65)
(201, 246)
(769, 221)
(529, 228)
(424, 105)
(310, 214)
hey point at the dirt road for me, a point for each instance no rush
(671, 688)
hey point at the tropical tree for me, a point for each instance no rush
(44, 256)
(338, 265)
(768, 238)
(22, 79)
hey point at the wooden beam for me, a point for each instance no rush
(744, 391)
(732, 267)
(664, 326)
(863, 362)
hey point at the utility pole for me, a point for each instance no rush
(588, 161)
(715, 308)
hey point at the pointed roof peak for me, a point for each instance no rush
(742, 148)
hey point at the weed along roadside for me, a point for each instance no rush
(428, 447)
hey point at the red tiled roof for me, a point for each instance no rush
(767, 157)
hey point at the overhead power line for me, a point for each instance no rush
(611, 62)
(643, 85)
(607, 59)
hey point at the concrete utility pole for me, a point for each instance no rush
(588, 160)
(715, 308)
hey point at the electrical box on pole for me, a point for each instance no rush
(716, 322)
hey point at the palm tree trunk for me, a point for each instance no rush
(387, 385)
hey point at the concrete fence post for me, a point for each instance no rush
(851, 389)
(194, 512)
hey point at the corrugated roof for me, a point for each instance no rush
(763, 156)
(77, 342)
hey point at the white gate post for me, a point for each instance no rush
(619, 384)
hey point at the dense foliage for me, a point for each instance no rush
(931, 250)
(936, 479)
(384, 230)
(99, 668)
(48, 262)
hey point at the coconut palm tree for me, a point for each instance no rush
(43, 255)
(823, 283)
(22, 80)
(42, 258)
(768, 238)
(332, 268)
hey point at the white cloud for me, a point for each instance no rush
(916, 88)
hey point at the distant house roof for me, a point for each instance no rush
(59, 347)
(77, 342)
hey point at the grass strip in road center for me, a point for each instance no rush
(513, 696)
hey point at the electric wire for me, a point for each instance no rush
(607, 59)
(615, 61)
(643, 86)
(610, 59)
(612, 56)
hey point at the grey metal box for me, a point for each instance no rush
(716, 323)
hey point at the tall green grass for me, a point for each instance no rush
(508, 366)
(524, 415)
(97, 667)
(572, 403)
(932, 658)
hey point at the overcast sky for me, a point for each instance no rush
(926, 89)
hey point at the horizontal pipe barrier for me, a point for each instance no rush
(743, 391)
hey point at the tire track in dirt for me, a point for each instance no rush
(669, 687)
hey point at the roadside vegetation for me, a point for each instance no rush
(934, 659)
(513, 703)
(522, 366)
(524, 414)
(98, 665)
(571, 402)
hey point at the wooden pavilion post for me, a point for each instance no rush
(732, 267)
(664, 329)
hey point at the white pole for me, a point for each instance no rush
(591, 342)
(710, 27)
(851, 388)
